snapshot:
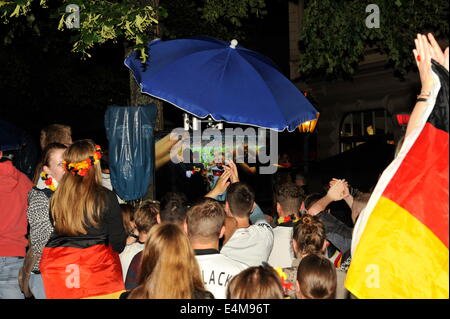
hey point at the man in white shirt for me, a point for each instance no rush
(205, 226)
(289, 199)
(249, 244)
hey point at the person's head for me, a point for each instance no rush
(128, 217)
(51, 162)
(104, 162)
(284, 158)
(240, 200)
(3, 158)
(173, 208)
(145, 216)
(316, 278)
(80, 197)
(169, 269)
(311, 199)
(205, 222)
(56, 133)
(299, 178)
(260, 282)
(309, 236)
(359, 203)
(289, 197)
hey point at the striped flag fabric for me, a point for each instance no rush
(81, 267)
(400, 241)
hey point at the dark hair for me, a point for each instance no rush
(290, 197)
(45, 159)
(317, 277)
(311, 199)
(240, 197)
(127, 216)
(260, 282)
(173, 208)
(104, 161)
(298, 175)
(309, 234)
(205, 219)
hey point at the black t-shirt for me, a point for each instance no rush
(109, 230)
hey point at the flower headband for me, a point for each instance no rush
(81, 168)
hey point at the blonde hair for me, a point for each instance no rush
(169, 269)
(79, 200)
(205, 220)
(260, 282)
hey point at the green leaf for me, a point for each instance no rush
(16, 12)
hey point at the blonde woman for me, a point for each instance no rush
(81, 258)
(169, 269)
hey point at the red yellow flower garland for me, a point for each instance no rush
(287, 219)
(48, 180)
(81, 168)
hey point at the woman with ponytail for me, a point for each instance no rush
(309, 238)
(81, 258)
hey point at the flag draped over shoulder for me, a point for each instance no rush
(81, 267)
(400, 241)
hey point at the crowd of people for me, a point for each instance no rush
(67, 234)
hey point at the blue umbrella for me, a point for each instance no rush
(209, 77)
(10, 137)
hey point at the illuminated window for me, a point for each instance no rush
(359, 127)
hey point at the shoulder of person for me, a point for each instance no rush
(233, 262)
(38, 193)
(262, 226)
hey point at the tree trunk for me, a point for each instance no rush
(137, 98)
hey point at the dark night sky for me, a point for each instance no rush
(39, 87)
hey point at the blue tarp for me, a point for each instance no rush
(131, 148)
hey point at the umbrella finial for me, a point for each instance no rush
(233, 44)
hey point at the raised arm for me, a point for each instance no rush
(426, 49)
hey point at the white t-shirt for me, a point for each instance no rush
(282, 253)
(106, 182)
(251, 245)
(126, 256)
(217, 270)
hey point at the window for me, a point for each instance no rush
(362, 126)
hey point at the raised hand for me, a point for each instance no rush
(436, 52)
(222, 183)
(234, 171)
(337, 190)
(422, 54)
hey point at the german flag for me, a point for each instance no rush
(400, 241)
(81, 267)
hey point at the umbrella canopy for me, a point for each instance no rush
(10, 137)
(209, 77)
